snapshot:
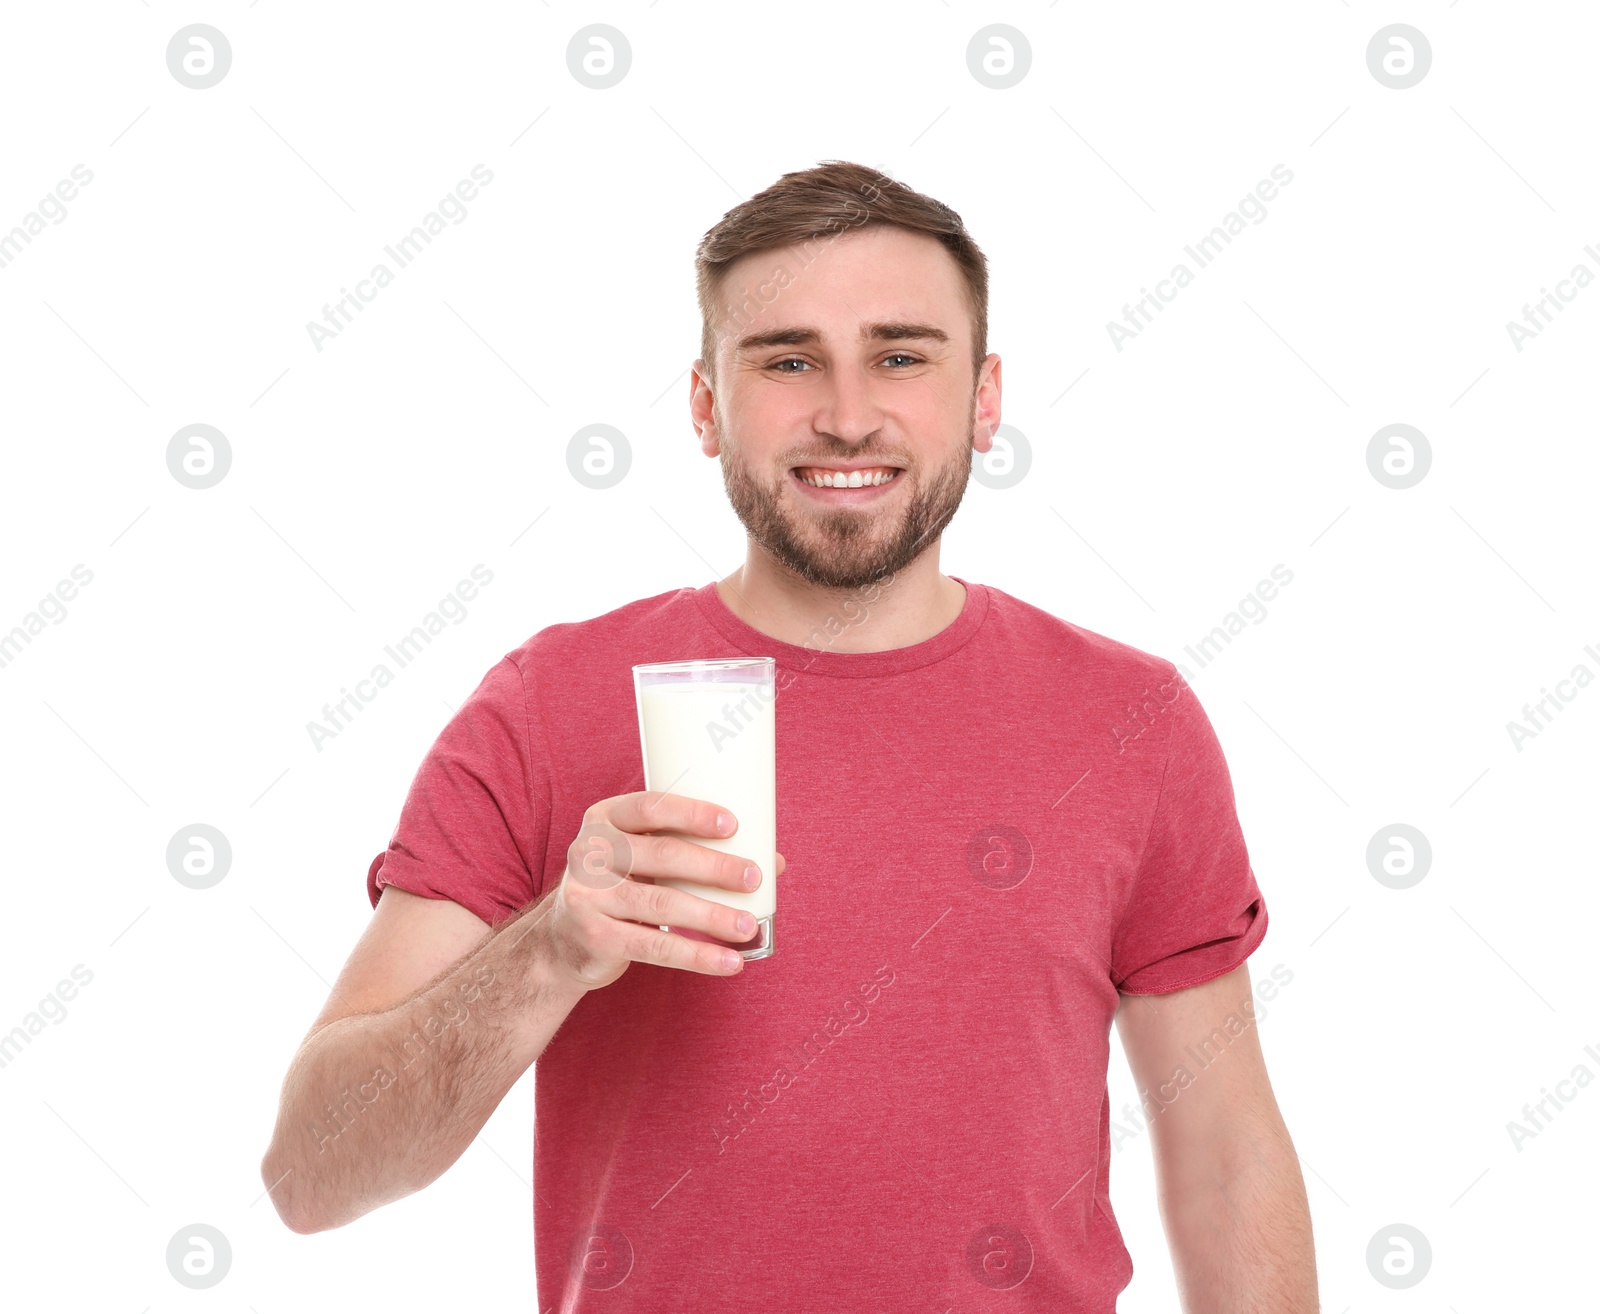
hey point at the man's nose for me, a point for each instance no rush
(849, 409)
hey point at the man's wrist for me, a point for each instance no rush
(546, 985)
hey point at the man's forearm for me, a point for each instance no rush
(1239, 1227)
(377, 1105)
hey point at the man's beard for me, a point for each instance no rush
(843, 548)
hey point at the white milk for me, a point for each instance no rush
(681, 756)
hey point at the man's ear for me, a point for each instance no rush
(986, 405)
(703, 409)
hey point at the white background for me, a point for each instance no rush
(1167, 479)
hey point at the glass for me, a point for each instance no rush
(707, 730)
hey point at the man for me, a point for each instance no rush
(1002, 832)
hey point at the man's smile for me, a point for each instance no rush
(842, 484)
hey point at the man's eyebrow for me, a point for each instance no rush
(802, 336)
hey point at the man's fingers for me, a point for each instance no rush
(668, 855)
(665, 949)
(619, 903)
(663, 905)
(651, 809)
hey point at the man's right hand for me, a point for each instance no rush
(608, 911)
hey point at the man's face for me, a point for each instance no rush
(852, 355)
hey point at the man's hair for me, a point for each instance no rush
(808, 209)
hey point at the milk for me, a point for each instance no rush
(716, 740)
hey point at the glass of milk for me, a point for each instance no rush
(707, 730)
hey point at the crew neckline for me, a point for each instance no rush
(799, 658)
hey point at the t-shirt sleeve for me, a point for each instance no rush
(475, 820)
(1194, 911)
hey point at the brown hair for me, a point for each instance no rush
(813, 206)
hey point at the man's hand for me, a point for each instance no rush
(608, 910)
(1232, 1199)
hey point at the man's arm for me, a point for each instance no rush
(431, 1022)
(1230, 1192)
(434, 1017)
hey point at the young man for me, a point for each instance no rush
(1002, 833)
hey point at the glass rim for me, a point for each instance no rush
(703, 664)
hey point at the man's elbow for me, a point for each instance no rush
(296, 1206)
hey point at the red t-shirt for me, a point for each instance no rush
(989, 834)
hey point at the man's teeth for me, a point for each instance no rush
(839, 479)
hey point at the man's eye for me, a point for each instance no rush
(778, 365)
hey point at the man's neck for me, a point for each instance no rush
(915, 604)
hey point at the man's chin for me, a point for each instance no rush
(841, 549)
(833, 571)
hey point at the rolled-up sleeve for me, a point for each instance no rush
(1195, 911)
(476, 818)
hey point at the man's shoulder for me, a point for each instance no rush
(1075, 647)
